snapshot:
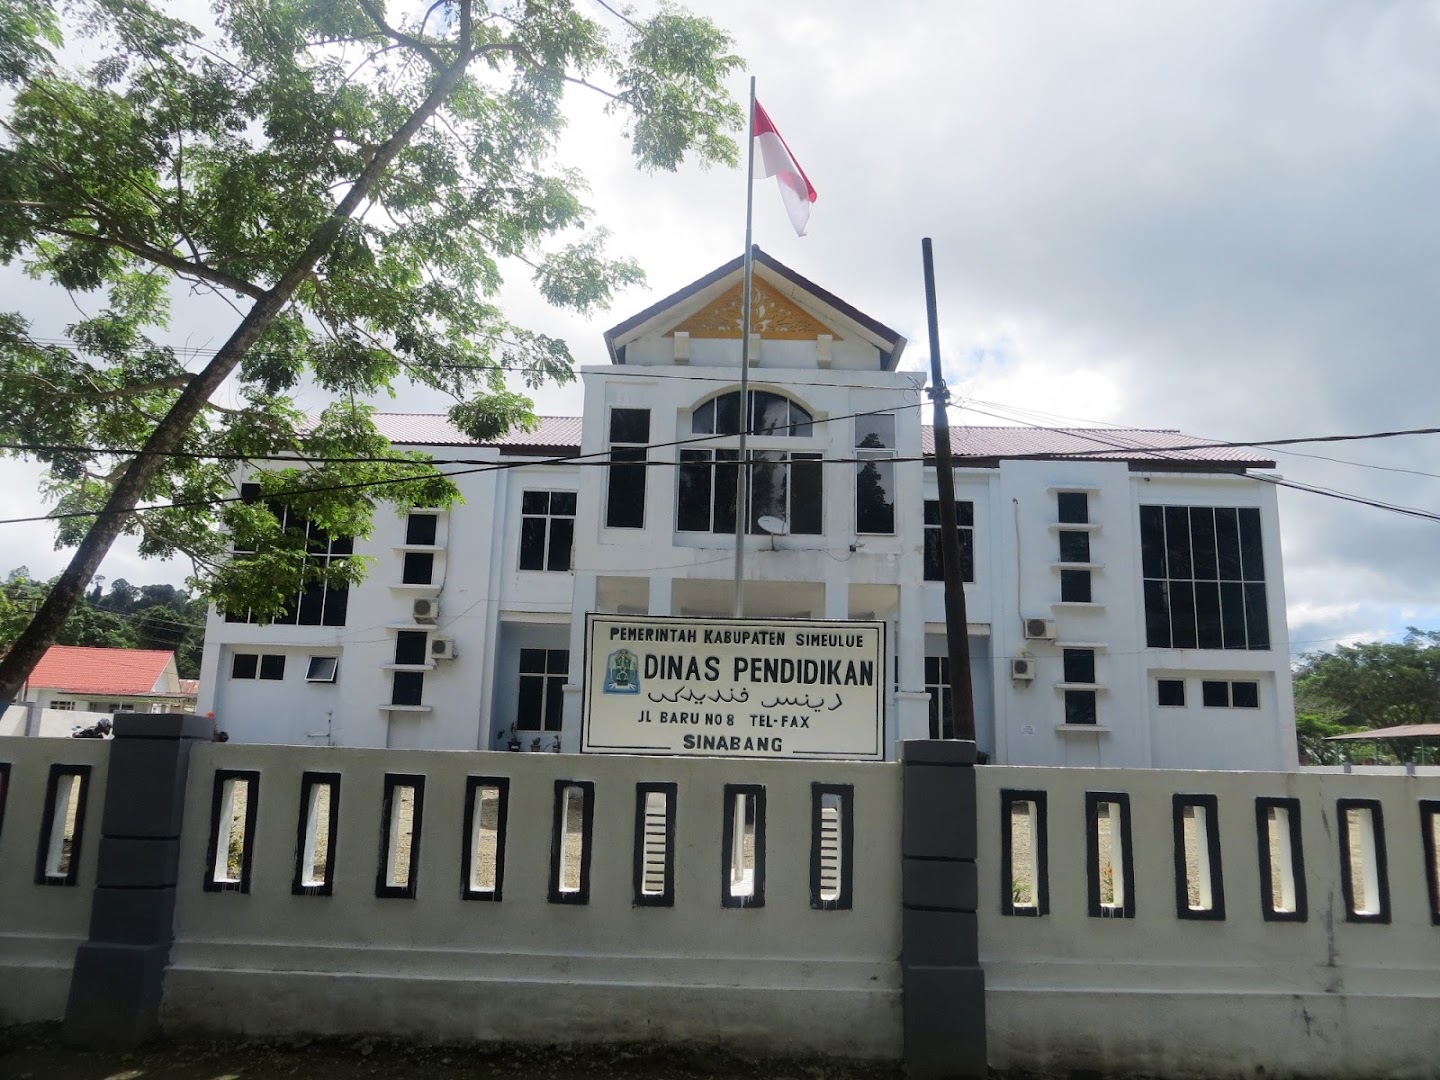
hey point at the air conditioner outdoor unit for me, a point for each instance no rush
(1022, 669)
(1039, 629)
(425, 610)
(442, 648)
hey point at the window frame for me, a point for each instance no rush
(1203, 577)
(552, 682)
(932, 551)
(627, 458)
(548, 519)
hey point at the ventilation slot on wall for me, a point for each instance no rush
(315, 843)
(1199, 884)
(832, 845)
(1362, 861)
(1110, 874)
(574, 817)
(655, 844)
(1282, 862)
(402, 815)
(487, 801)
(58, 859)
(743, 869)
(1430, 840)
(1025, 887)
(234, 806)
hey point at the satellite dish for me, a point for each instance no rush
(773, 525)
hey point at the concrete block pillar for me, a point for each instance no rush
(119, 973)
(944, 985)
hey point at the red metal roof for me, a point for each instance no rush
(562, 434)
(85, 670)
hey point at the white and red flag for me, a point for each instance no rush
(773, 158)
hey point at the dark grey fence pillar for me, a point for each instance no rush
(944, 986)
(120, 971)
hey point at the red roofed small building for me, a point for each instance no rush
(81, 679)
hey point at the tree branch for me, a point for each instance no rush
(424, 48)
(163, 258)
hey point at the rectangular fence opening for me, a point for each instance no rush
(1024, 881)
(832, 846)
(316, 832)
(1110, 873)
(487, 801)
(1199, 884)
(1430, 841)
(743, 847)
(402, 815)
(570, 841)
(62, 826)
(4, 791)
(1362, 860)
(655, 844)
(234, 803)
(1282, 863)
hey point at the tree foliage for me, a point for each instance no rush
(354, 181)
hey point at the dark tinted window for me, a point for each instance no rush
(1214, 693)
(244, 665)
(1171, 691)
(419, 568)
(408, 688)
(1072, 507)
(629, 425)
(272, 666)
(410, 647)
(1074, 547)
(1075, 586)
(1245, 695)
(1080, 665)
(1204, 577)
(420, 529)
(1080, 707)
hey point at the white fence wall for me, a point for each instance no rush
(784, 976)
(41, 924)
(1157, 993)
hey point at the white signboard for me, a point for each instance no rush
(796, 688)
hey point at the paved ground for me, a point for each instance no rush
(34, 1053)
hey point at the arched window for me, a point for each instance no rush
(782, 484)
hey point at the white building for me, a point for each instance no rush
(1126, 606)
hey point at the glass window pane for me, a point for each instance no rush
(727, 413)
(337, 600)
(1202, 542)
(532, 660)
(1232, 615)
(535, 502)
(408, 688)
(419, 568)
(529, 711)
(800, 422)
(410, 647)
(702, 420)
(965, 513)
(1152, 541)
(272, 666)
(807, 501)
(1171, 692)
(557, 661)
(629, 425)
(771, 413)
(1075, 587)
(312, 604)
(1251, 557)
(562, 535)
(1257, 617)
(1182, 614)
(554, 703)
(1072, 507)
(1207, 615)
(769, 473)
(1080, 707)
(1079, 665)
(1157, 615)
(692, 507)
(244, 665)
(1227, 543)
(1074, 547)
(532, 543)
(874, 496)
(1177, 541)
(934, 558)
(625, 499)
(875, 432)
(1245, 695)
(1215, 693)
(562, 503)
(420, 528)
(727, 482)
(932, 511)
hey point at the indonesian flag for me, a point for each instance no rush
(773, 158)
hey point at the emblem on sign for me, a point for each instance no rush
(622, 673)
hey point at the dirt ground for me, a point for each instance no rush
(35, 1053)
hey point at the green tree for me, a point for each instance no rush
(355, 181)
(1374, 684)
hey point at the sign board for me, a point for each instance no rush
(785, 688)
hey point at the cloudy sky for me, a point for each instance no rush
(1209, 216)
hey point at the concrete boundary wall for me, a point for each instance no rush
(44, 916)
(423, 960)
(1344, 983)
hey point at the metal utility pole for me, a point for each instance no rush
(742, 486)
(957, 636)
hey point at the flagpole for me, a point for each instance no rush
(742, 500)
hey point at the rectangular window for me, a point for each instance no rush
(784, 485)
(1282, 860)
(420, 529)
(1199, 881)
(1074, 547)
(1072, 507)
(418, 568)
(1081, 707)
(875, 474)
(234, 809)
(244, 665)
(1223, 694)
(410, 646)
(1203, 576)
(407, 688)
(572, 830)
(62, 706)
(1170, 692)
(272, 667)
(1109, 866)
(322, 669)
(654, 877)
(934, 557)
(832, 846)
(1075, 587)
(1079, 665)
(547, 529)
(401, 815)
(937, 685)
(316, 831)
(625, 491)
(742, 882)
(1024, 856)
(541, 704)
(315, 604)
(487, 801)
(62, 825)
